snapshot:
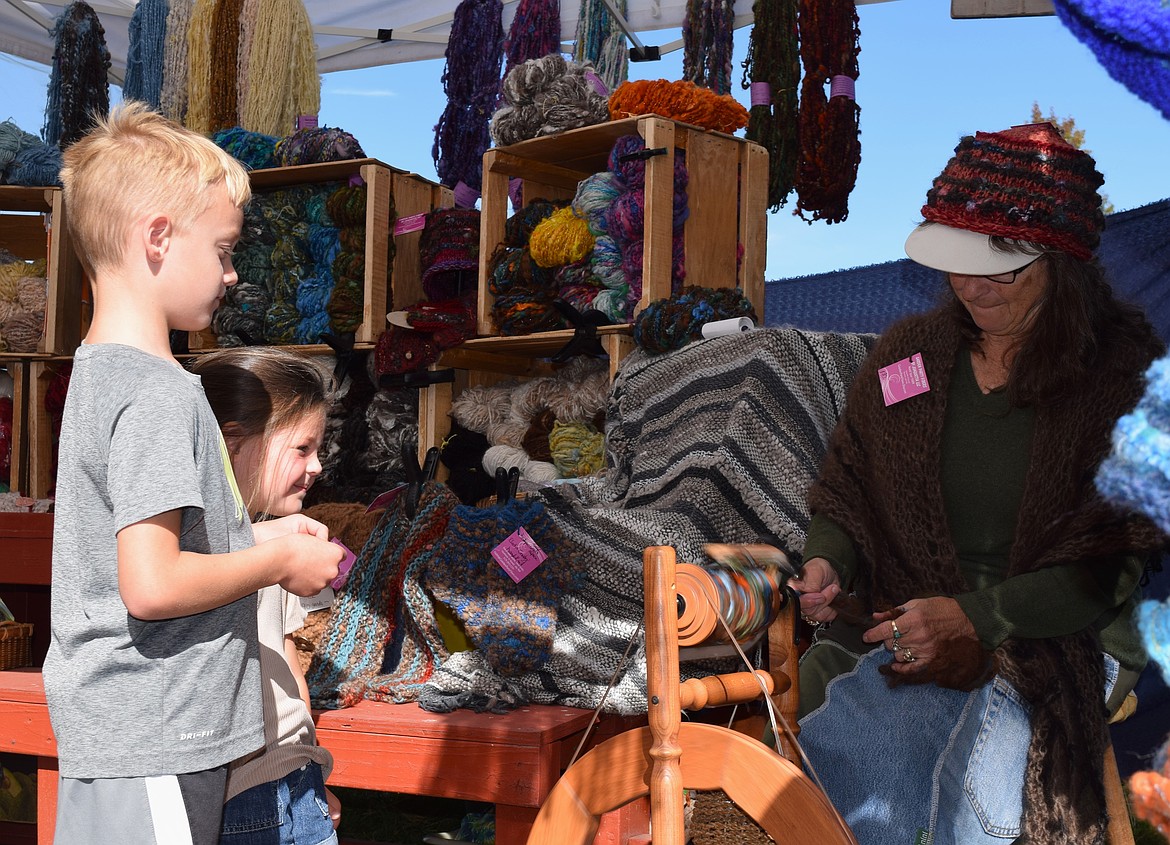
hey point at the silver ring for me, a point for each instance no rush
(908, 655)
(897, 633)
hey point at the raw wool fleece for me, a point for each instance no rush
(715, 442)
(888, 499)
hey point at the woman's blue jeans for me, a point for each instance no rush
(289, 811)
(922, 764)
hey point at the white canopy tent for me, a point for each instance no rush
(350, 34)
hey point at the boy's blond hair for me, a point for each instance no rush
(138, 162)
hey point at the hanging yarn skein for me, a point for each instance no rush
(244, 51)
(535, 32)
(282, 82)
(471, 82)
(601, 42)
(771, 72)
(173, 97)
(144, 56)
(830, 143)
(708, 31)
(78, 86)
(198, 114)
(225, 44)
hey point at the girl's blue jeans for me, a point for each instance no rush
(289, 811)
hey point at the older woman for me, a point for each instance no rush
(957, 502)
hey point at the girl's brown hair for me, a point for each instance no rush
(255, 391)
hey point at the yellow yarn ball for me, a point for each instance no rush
(561, 238)
(578, 449)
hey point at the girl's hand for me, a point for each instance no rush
(921, 630)
(309, 563)
(334, 807)
(298, 523)
(818, 585)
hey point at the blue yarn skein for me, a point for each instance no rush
(144, 57)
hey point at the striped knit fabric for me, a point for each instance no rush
(716, 442)
(347, 664)
(1026, 183)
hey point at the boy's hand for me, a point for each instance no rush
(334, 807)
(310, 562)
(298, 523)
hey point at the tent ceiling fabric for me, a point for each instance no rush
(346, 32)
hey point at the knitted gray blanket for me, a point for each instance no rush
(716, 442)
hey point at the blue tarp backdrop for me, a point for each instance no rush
(1135, 250)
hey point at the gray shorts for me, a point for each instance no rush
(162, 810)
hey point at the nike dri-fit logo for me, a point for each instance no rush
(195, 735)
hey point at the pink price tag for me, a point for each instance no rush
(306, 121)
(903, 379)
(518, 555)
(385, 500)
(344, 567)
(465, 195)
(410, 223)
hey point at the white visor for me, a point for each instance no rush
(965, 252)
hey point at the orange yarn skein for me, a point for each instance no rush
(683, 101)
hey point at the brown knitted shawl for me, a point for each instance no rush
(881, 484)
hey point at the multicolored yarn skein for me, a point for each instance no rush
(471, 82)
(449, 253)
(830, 142)
(317, 144)
(173, 96)
(668, 324)
(254, 150)
(683, 101)
(772, 72)
(78, 86)
(535, 32)
(708, 30)
(600, 42)
(348, 658)
(511, 623)
(545, 96)
(27, 160)
(346, 206)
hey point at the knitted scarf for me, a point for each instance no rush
(881, 483)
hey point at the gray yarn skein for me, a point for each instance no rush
(545, 96)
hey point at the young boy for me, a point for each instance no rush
(152, 674)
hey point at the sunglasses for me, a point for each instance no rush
(1008, 278)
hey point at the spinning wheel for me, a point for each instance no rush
(667, 757)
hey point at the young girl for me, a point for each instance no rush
(271, 407)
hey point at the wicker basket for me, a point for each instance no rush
(15, 642)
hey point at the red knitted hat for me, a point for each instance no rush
(1025, 184)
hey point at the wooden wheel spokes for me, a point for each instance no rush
(768, 788)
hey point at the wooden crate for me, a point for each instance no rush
(385, 287)
(721, 217)
(32, 226)
(489, 360)
(42, 478)
(18, 473)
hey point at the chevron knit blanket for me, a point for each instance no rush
(716, 442)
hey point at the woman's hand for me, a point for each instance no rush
(298, 523)
(334, 807)
(818, 585)
(921, 631)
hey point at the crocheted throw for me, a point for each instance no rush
(715, 442)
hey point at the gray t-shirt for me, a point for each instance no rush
(127, 697)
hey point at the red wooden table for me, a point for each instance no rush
(511, 760)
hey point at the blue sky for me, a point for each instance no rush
(925, 81)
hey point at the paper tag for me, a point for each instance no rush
(518, 555)
(923, 837)
(322, 600)
(385, 500)
(306, 121)
(465, 195)
(903, 379)
(344, 567)
(356, 181)
(410, 223)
